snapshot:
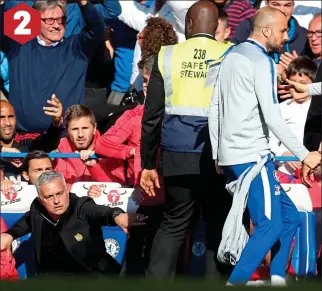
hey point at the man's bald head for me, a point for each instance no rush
(270, 28)
(5, 103)
(7, 122)
(267, 17)
(202, 17)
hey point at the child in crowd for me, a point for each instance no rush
(223, 31)
(302, 70)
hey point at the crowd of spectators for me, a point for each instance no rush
(80, 86)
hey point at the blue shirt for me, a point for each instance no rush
(108, 9)
(36, 72)
(4, 70)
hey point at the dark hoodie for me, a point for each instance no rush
(297, 37)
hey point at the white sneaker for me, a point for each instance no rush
(278, 281)
(258, 283)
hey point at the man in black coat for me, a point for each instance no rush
(67, 229)
(312, 131)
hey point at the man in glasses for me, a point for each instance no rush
(51, 63)
(314, 35)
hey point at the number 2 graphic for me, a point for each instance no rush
(21, 28)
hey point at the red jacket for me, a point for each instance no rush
(74, 170)
(119, 141)
(8, 269)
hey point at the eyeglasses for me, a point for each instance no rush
(318, 33)
(50, 21)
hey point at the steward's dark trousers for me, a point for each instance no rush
(184, 195)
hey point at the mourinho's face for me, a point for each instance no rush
(54, 197)
(53, 23)
(81, 132)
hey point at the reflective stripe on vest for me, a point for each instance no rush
(184, 68)
(167, 74)
(167, 69)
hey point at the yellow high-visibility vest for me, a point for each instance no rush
(189, 73)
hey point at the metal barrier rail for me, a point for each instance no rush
(75, 155)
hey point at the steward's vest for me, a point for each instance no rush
(188, 84)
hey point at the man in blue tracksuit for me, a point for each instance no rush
(296, 33)
(75, 23)
(244, 108)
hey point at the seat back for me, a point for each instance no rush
(300, 196)
(81, 188)
(304, 253)
(18, 199)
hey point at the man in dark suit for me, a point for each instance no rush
(67, 229)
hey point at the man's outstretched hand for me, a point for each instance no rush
(312, 161)
(128, 220)
(149, 181)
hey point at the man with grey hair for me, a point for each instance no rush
(67, 229)
(51, 63)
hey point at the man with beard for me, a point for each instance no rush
(244, 108)
(82, 136)
(10, 142)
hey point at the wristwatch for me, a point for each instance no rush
(116, 211)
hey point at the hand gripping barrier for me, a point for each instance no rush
(76, 155)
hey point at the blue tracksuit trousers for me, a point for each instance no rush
(275, 218)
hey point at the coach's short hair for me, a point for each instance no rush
(78, 111)
(48, 177)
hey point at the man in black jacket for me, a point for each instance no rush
(9, 140)
(67, 229)
(312, 131)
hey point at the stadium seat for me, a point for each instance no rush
(300, 196)
(304, 253)
(19, 199)
(81, 188)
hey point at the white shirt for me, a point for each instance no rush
(295, 115)
(42, 42)
(135, 15)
